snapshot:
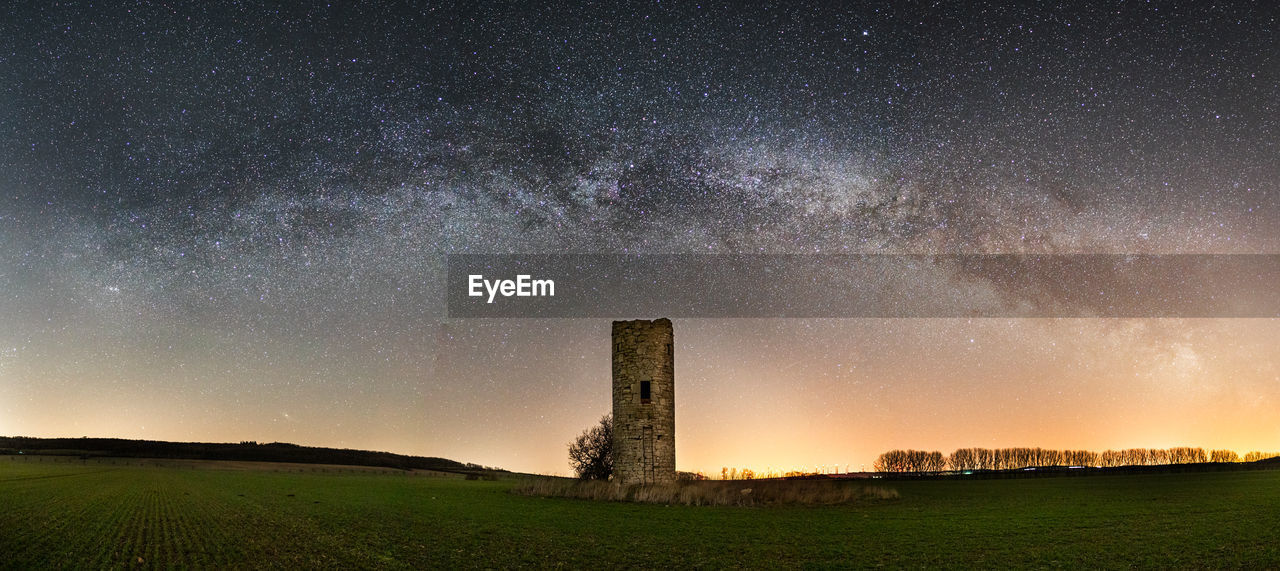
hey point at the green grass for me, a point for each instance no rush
(73, 515)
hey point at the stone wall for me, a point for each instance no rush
(644, 432)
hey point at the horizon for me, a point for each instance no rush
(1124, 458)
(715, 375)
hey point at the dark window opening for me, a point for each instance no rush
(644, 392)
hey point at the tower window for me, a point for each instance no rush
(644, 392)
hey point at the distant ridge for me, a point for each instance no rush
(243, 451)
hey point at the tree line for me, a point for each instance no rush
(965, 459)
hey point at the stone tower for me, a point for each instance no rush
(644, 405)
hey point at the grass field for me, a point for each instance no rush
(101, 515)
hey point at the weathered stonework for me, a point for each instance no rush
(644, 430)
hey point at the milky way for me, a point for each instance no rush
(230, 222)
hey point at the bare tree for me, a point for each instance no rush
(591, 454)
(1256, 456)
(1080, 458)
(964, 459)
(986, 459)
(934, 462)
(1158, 457)
(918, 461)
(1224, 456)
(892, 461)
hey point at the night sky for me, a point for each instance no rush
(230, 222)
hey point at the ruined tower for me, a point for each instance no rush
(644, 405)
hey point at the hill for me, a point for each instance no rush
(243, 451)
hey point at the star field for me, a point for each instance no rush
(229, 222)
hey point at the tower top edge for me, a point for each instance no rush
(658, 321)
